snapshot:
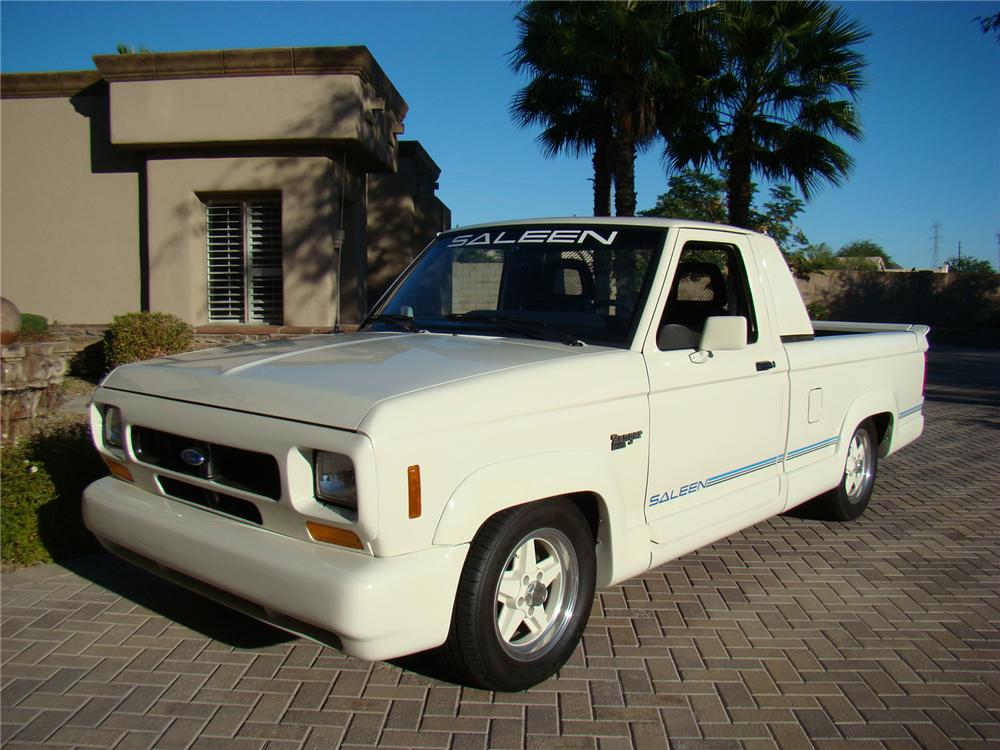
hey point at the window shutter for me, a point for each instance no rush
(244, 261)
(225, 262)
(264, 250)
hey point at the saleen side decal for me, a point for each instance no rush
(687, 489)
(691, 488)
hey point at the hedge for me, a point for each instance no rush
(133, 337)
(43, 480)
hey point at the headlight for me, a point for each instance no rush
(113, 433)
(335, 479)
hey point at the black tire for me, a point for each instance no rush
(849, 499)
(543, 554)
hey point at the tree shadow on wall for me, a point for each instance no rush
(938, 300)
(317, 193)
(338, 199)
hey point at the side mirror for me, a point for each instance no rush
(724, 333)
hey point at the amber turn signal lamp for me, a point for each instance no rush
(413, 488)
(332, 535)
(119, 470)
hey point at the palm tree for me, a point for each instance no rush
(574, 120)
(788, 78)
(562, 97)
(595, 69)
(630, 41)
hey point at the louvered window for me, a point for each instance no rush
(244, 260)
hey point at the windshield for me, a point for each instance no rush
(579, 284)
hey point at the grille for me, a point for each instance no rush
(212, 500)
(232, 467)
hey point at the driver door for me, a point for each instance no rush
(717, 420)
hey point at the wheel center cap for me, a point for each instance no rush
(536, 594)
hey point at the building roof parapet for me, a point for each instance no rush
(415, 150)
(278, 61)
(40, 85)
(152, 66)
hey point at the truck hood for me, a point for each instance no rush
(330, 380)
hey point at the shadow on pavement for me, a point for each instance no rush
(202, 615)
(175, 603)
(958, 376)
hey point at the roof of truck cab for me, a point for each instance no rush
(634, 221)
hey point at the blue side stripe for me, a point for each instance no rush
(789, 455)
(765, 463)
(743, 470)
(757, 466)
(810, 448)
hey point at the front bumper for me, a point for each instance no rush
(376, 608)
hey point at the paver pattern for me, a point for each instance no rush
(884, 633)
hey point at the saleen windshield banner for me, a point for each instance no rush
(535, 236)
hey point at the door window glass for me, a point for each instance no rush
(710, 280)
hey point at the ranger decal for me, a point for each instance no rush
(621, 441)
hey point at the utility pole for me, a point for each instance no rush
(935, 242)
(960, 249)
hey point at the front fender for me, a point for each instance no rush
(506, 484)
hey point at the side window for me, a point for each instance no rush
(710, 280)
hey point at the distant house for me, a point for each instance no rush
(859, 263)
(238, 188)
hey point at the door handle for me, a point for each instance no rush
(765, 365)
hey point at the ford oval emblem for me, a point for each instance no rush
(192, 457)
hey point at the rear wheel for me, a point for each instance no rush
(524, 596)
(849, 499)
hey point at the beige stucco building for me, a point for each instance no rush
(233, 187)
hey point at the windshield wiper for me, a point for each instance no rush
(532, 329)
(403, 322)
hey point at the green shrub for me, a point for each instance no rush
(33, 327)
(43, 480)
(137, 336)
(27, 488)
(817, 311)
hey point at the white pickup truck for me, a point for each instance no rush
(533, 410)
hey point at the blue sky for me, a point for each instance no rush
(931, 111)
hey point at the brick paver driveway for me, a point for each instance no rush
(795, 633)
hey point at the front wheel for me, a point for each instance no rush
(524, 596)
(849, 499)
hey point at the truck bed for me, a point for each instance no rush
(841, 328)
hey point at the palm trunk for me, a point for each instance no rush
(739, 191)
(626, 292)
(625, 128)
(602, 180)
(602, 207)
(625, 176)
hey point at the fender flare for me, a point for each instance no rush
(518, 481)
(881, 401)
